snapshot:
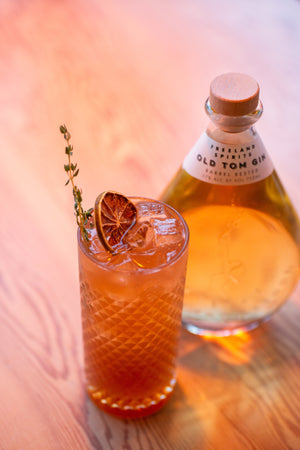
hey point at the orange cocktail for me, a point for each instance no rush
(131, 311)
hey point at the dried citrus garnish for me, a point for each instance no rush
(114, 215)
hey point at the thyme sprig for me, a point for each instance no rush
(81, 215)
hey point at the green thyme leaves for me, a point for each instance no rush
(71, 169)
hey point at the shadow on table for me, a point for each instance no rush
(273, 343)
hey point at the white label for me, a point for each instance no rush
(233, 164)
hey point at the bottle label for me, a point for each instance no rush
(228, 164)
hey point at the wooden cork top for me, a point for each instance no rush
(234, 94)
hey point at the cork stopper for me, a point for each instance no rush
(234, 94)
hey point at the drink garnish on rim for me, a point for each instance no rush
(114, 214)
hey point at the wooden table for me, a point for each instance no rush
(129, 78)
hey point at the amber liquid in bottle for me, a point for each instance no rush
(244, 255)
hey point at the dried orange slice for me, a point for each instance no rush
(114, 215)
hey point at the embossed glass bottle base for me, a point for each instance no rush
(249, 265)
(131, 408)
(202, 328)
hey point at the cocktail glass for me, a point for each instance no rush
(131, 307)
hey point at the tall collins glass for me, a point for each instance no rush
(131, 304)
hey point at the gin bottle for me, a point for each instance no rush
(244, 257)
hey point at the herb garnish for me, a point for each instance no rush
(82, 216)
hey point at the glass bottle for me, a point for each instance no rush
(244, 257)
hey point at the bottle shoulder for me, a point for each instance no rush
(186, 193)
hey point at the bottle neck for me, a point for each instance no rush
(221, 136)
(232, 124)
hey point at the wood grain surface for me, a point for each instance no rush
(129, 78)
